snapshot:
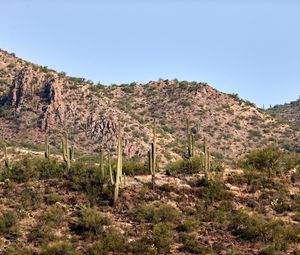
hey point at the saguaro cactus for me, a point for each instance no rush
(110, 169)
(101, 163)
(190, 141)
(206, 159)
(119, 164)
(150, 161)
(47, 147)
(153, 152)
(68, 152)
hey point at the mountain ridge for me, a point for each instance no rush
(36, 100)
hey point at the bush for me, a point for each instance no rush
(29, 168)
(91, 222)
(134, 166)
(191, 244)
(9, 226)
(60, 248)
(266, 160)
(162, 237)
(257, 227)
(85, 177)
(48, 223)
(110, 241)
(214, 191)
(194, 165)
(156, 213)
(13, 250)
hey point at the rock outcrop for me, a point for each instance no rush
(54, 110)
(21, 89)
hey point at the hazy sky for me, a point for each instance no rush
(250, 47)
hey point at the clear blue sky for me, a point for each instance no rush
(250, 47)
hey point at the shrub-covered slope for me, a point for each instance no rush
(35, 100)
(251, 209)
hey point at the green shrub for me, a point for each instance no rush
(30, 198)
(163, 237)
(86, 177)
(91, 222)
(214, 191)
(266, 160)
(258, 228)
(109, 241)
(143, 245)
(191, 244)
(54, 217)
(9, 226)
(156, 213)
(44, 231)
(188, 225)
(32, 168)
(134, 166)
(60, 248)
(13, 250)
(194, 165)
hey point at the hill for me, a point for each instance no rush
(36, 100)
(289, 113)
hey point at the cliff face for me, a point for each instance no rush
(35, 100)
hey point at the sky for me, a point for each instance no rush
(249, 47)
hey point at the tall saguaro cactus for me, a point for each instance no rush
(206, 159)
(119, 164)
(190, 141)
(110, 169)
(153, 152)
(68, 152)
(101, 163)
(47, 147)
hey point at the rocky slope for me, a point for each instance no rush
(35, 100)
(288, 112)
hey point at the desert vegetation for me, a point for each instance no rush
(197, 204)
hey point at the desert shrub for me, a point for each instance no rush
(44, 231)
(214, 191)
(54, 217)
(85, 177)
(188, 225)
(191, 244)
(218, 213)
(257, 227)
(30, 168)
(91, 222)
(60, 248)
(163, 236)
(13, 250)
(9, 226)
(156, 213)
(51, 199)
(257, 180)
(112, 240)
(143, 245)
(134, 166)
(30, 198)
(194, 165)
(269, 159)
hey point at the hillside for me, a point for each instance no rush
(250, 210)
(36, 100)
(287, 112)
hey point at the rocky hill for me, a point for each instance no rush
(288, 112)
(35, 100)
